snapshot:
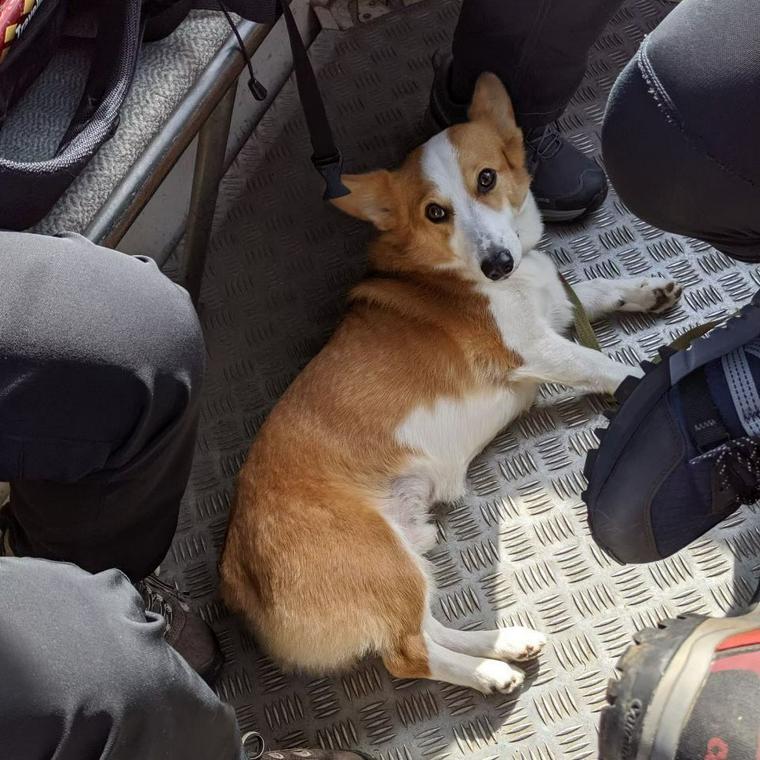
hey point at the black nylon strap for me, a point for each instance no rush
(702, 416)
(326, 157)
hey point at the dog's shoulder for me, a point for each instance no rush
(441, 307)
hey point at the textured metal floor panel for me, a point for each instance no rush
(517, 549)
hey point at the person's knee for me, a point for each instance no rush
(111, 353)
(660, 164)
(61, 654)
(94, 306)
(84, 671)
(150, 325)
(635, 140)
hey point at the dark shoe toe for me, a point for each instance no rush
(568, 184)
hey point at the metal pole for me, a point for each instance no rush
(135, 190)
(209, 169)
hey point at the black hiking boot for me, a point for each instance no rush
(187, 633)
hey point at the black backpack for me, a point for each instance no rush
(112, 31)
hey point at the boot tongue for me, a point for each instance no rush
(721, 396)
(733, 383)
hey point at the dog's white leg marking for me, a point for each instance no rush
(478, 673)
(516, 644)
(554, 359)
(653, 294)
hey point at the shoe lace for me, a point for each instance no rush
(160, 597)
(737, 463)
(543, 142)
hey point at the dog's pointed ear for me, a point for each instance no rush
(490, 102)
(373, 197)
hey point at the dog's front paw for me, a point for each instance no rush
(518, 644)
(654, 295)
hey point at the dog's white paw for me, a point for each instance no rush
(653, 294)
(519, 644)
(496, 676)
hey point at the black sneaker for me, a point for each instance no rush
(682, 452)
(566, 183)
(185, 631)
(688, 690)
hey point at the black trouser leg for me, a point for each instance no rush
(87, 675)
(681, 136)
(537, 47)
(101, 359)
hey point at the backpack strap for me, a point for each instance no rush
(326, 157)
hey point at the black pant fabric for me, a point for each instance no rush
(101, 361)
(88, 675)
(538, 48)
(681, 134)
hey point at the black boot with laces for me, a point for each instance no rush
(185, 631)
(567, 184)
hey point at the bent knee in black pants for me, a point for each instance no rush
(102, 358)
(87, 675)
(680, 135)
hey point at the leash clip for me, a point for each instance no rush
(331, 168)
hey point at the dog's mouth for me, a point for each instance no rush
(498, 265)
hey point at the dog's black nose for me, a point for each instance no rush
(497, 265)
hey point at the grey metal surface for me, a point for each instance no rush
(517, 548)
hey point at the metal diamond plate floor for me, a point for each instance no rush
(518, 547)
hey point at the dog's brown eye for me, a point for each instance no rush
(486, 180)
(436, 213)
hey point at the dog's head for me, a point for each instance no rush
(461, 201)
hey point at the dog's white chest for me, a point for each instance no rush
(448, 434)
(529, 302)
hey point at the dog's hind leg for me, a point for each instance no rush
(419, 656)
(515, 644)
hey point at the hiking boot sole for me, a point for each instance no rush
(661, 675)
(571, 215)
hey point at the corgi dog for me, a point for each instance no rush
(443, 344)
